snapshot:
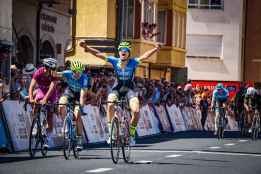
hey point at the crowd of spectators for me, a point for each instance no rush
(102, 80)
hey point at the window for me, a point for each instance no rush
(128, 19)
(162, 26)
(204, 46)
(149, 11)
(149, 20)
(179, 30)
(206, 4)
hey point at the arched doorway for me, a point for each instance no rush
(25, 51)
(46, 50)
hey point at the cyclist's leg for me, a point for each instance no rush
(52, 99)
(135, 109)
(217, 114)
(112, 97)
(78, 120)
(63, 101)
(38, 95)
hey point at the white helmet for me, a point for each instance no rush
(50, 63)
(251, 91)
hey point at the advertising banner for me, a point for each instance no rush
(92, 123)
(187, 118)
(232, 124)
(163, 118)
(19, 123)
(148, 124)
(196, 115)
(3, 139)
(176, 118)
(209, 125)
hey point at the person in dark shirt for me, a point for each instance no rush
(204, 110)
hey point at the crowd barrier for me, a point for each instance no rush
(3, 137)
(153, 120)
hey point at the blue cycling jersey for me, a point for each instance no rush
(220, 95)
(126, 75)
(75, 84)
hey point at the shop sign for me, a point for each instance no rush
(46, 26)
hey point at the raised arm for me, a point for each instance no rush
(93, 51)
(149, 53)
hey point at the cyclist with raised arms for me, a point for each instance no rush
(219, 99)
(124, 67)
(44, 80)
(76, 91)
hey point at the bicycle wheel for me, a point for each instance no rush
(67, 143)
(241, 124)
(115, 141)
(35, 137)
(255, 129)
(126, 148)
(76, 152)
(43, 137)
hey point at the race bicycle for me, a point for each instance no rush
(69, 132)
(222, 121)
(38, 135)
(120, 132)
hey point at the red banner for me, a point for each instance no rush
(232, 87)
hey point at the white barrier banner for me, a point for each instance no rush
(187, 118)
(93, 124)
(195, 118)
(56, 137)
(148, 124)
(19, 123)
(176, 118)
(163, 118)
(210, 122)
(232, 124)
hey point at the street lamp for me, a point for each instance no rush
(40, 4)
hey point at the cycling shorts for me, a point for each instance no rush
(70, 96)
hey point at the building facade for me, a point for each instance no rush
(41, 29)
(215, 40)
(252, 41)
(5, 37)
(104, 23)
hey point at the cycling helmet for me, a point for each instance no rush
(50, 63)
(124, 45)
(251, 91)
(219, 86)
(77, 66)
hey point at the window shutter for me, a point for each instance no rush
(137, 26)
(169, 27)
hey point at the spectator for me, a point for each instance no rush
(28, 71)
(204, 105)
(15, 83)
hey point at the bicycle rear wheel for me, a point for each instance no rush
(67, 143)
(35, 137)
(255, 129)
(126, 148)
(115, 141)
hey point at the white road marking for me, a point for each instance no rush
(173, 156)
(99, 170)
(242, 141)
(215, 147)
(143, 162)
(230, 144)
(198, 152)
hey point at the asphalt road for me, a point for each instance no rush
(183, 153)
